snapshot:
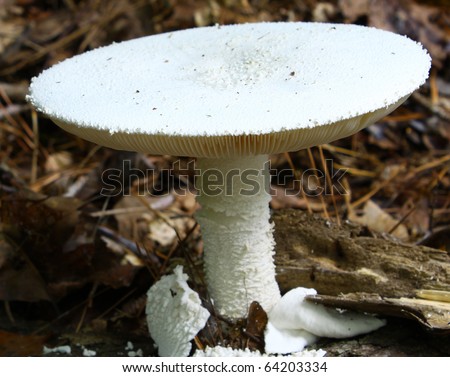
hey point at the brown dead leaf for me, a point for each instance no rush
(35, 215)
(133, 213)
(11, 26)
(19, 278)
(186, 202)
(162, 232)
(380, 221)
(381, 136)
(112, 271)
(424, 23)
(58, 161)
(284, 198)
(432, 24)
(256, 320)
(50, 26)
(11, 31)
(324, 12)
(12, 344)
(62, 244)
(417, 216)
(438, 239)
(352, 10)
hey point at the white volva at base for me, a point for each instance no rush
(295, 323)
(237, 233)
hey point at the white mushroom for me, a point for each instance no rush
(221, 351)
(230, 96)
(174, 314)
(295, 323)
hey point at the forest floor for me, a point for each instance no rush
(75, 266)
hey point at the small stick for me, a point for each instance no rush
(9, 312)
(402, 220)
(372, 192)
(322, 200)
(330, 184)
(434, 90)
(87, 306)
(304, 197)
(35, 155)
(432, 164)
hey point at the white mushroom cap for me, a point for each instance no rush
(232, 90)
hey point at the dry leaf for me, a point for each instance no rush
(352, 10)
(133, 213)
(284, 198)
(58, 161)
(12, 344)
(426, 24)
(11, 26)
(256, 320)
(162, 233)
(378, 220)
(19, 278)
(324, 12)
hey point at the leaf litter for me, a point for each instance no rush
(75, 264)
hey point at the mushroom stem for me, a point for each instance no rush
(234, 195)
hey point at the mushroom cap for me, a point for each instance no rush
(232, 90)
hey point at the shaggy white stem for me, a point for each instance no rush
(234, 195)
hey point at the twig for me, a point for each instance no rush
(22, 122)
(52, 177)
(372, 192)
(16, 91)
(13, 110)
(198, 343)
(434, 90)
(426, 102)
(117, 211)
(433, 295)
(60, 43)
(17, 132)
(297, 178)
(66, 313)
(35, 156)
(150, 257)
(91, 153)
(45, 50)
(348, 196)
(432, 164)
(357, 172)
(322, 200)
(403, 117)
(26, 135)
(330, 184)
(89, 301)
(402, 220)
(350, 152)
(9, 312)
(122, 299)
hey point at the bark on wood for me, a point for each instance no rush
(353, 268)
(313, 252)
